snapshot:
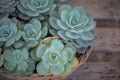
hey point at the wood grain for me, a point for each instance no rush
(107, 39)
(101, 56)
(97, 71)
(105, 9)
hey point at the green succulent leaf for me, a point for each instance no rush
(44, 30)
(10, 65)
(33, 55)
(81, 50)
(64, 15)
(22, 66)
(67, 69)
(32, 43)
(83, 43)
(42, 69)
(55, 44)
(53, 23)
(18, 35)
(61, 35)
(40, 51)
(18, 44)
(8, 55)
(37, 24)
(87, 36)
(57, 69)
(70, 52)
(5, 21)
(25, 53)
(64, 58)
(31, 66)
(53, 32)
(91, 25)
(72, 35)
(46, 60)
(13, 27)
(65, 7)
(74, 62)
(62, 25)
(10, 41)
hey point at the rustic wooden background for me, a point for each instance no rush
(104, 61)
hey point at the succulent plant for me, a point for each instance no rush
(18, 62)
(73, 25)
(9, 32)
(42, 36)
(34, 8)
(55, 57)
(34, 31)
(7, 6)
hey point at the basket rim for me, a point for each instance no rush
(36, 76)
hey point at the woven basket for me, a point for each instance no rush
(34, 76)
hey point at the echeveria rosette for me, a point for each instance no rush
(55, 57)
(34, 32)
(7, 6)
(73, 25)
(9, 32)
(34, 8)
(18, 62)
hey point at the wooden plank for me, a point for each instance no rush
(108, 23)
(107, 39)
(97, 71)
(105, 9)
(100, 56)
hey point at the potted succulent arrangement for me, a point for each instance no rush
(43, 39)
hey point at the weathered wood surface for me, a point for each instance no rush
(97, 71)
(107, 39)
(108, 23)
(102, 9)
(104, 57)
